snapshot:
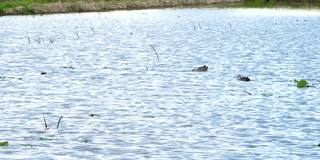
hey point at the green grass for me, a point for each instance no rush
(281, 3)
(6, 4)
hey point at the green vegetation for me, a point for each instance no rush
(281, 3)
(259, 3)
(6, 143)
(6, 4)
(301, 83)
(25, 4)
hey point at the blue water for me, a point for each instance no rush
(118, 101)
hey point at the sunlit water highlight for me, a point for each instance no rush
(120, 102)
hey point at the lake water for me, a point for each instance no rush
(118, 101)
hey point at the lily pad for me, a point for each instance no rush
(302, 83)
(6, 143)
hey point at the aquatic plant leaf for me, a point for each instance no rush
(6, 143)
(301, 83)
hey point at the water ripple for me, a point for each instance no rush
(119, 101)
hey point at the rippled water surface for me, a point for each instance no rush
(118, 101)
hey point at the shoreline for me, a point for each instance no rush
(104, 6)
(80, 6)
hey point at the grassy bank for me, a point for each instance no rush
(17, 7)
(281, 3)
(27, 6)
(23, 5)
(14, 7)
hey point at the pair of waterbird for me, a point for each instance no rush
(204, 68)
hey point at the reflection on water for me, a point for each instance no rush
(120, 102)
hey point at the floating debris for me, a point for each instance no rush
(43, 73)
(267, 94)
(200, 69)
(93, 115)
(86, 141)
(3, 77)
(7, 78)
(45, 139)
(68, 67)
(28, 145)
(243, 78)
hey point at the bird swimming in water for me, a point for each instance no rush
(200, 69)
(243, 78)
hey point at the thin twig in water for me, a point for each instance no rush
(51, 40)
(247, 92)
(38, 40)
(77, 35)
(199, 25)
(45, 122)
(64, 36)
(29, 41)
(155, 51)
(194, 27)
(92, 29)
(59, 122)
